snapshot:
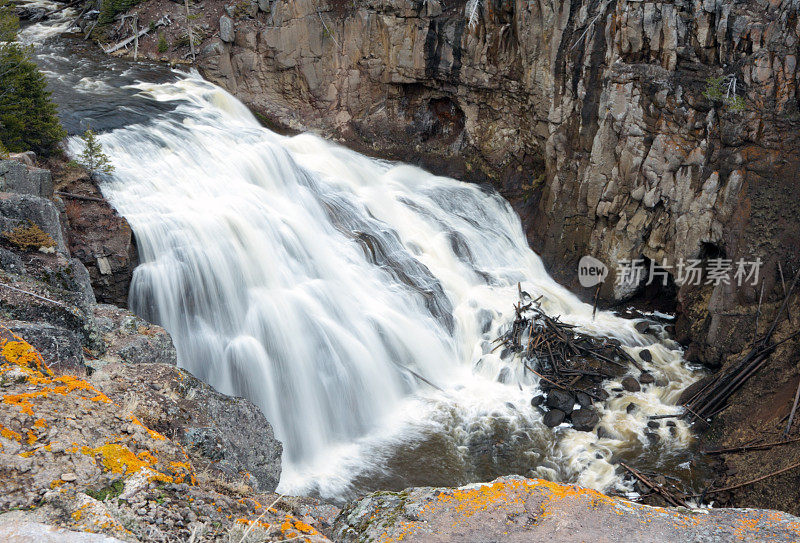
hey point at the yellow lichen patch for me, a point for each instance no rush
(118, 458)
(292, 527)
(153, 433)
(10, 434)
(20, 353)
(118, 453)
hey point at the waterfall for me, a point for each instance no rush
(355, 301)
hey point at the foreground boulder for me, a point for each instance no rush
(515, 509)
(222, 434)
(76, 463)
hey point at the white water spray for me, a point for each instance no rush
(329, 288)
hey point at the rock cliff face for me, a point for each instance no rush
(614, 127)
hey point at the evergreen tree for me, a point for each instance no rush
(28, 118)
(93, 158)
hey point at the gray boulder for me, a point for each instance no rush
(226, 31)
(23, 209)
(224, 435)
(15, 176)
(585, 419)
(515, 509)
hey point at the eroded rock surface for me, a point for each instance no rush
(220, 433)
(74, 461)
(513, 508)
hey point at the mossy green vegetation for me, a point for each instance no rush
(718, 90)
(109, 492)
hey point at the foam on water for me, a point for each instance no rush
(316, 282)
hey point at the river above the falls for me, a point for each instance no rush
(355, 301)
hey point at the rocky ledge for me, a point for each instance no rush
(515, 509)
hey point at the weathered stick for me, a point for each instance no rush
(78, 196)
(794, 409)
(4, 285)
(164, 21)
(740, 485)
(759, 447)
(664, 493)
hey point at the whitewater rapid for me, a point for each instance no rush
(329, 288)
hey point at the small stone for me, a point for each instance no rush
(585, 419)
(69, 477)
(537, 400)
(653, 424)
(600, 393)
(670, 423)
(631, 384)
(646, 378)
(226, 31)
(561, 400)
(652, 437)
(642, 327)
(602, 433)
(631, 408)
(645, 355)
(553, 418)
(583, 399)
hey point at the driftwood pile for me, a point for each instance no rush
(569, 363)
(558, 353)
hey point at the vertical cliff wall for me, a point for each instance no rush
(597, 119)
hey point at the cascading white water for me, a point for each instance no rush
(328, 288)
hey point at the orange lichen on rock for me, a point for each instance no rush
(115, 452)
(20, 353)
(10, 434)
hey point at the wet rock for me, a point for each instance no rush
(653, 424)
(537, 400)
(602, 433)
(631, 408)
(645, 355)
(646, 378)
(583, 399)
(631, 384)
(553, 418)
(20, 210)
(600, 393)
(99, 237)
(561, 400)
(643, 327)
(652, 437)
(585, 419)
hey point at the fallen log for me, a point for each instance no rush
(668, 497)
(164, 21)
(714, 396)
(747, 483)
(78, 196)
(759, 447)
